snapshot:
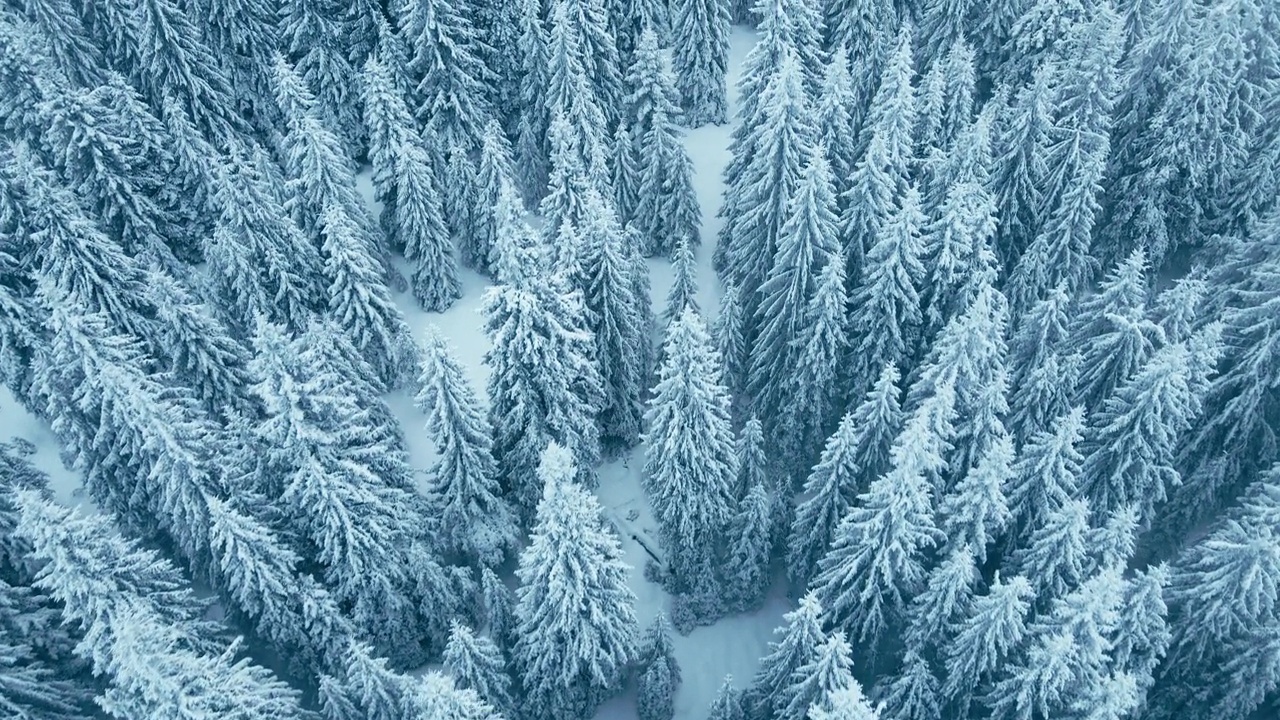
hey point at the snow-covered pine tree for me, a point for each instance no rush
(464, 480)
(1132, 446)
(976, 512)
(964, 225)
(839, 110)
(1039, 333)
(313, 37)
(574, 639)
(144, 626)
(753, 462)
(1056, 557)
(157, 45)
(829, 492)
(750, 542)
(659, 671)
(828, 671)
(615, 318)
(1114, 332)
(568, 184)
(262, 263)
(531, 147)
(759, 197)
(862, 27)
(1022, 164)
(797, 644)
(807, 243)
(624, 173)
(359, 301)
(986, 637)
(935, 613)
(1046, 475)
(699, 58)
(657, 648)
(876, 561)
(690, 463)
(422, 230)
(499, 609)
(387, 122)
(67, 41)
(942, 23)
(589, 30)
(447, 69)
(728, 702)
(880, 178)
(729, 329)
(912, 694)
(886, 306)
(655, 693)
(476, 664)
(460, 196)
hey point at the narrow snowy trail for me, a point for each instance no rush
(735, 644)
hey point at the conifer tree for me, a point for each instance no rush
(666, 210)
(498, 609)
(422, 230)
(690, 464)
(624, 173)
(829, 493)
(936, 612)
(700, 56)
(464, 478)
(589, 30)
(876, 561)
(976, 513)
(880, 178)
(567, 188)
(797, 644)
(769, 179)
(388, 123)
(1046, 474)
(728, 702)
(913, 694)
(750, 544)
(993, 630)
(617, 322)
(1114, 331)
(1039, 333)
(68, 42)
(656, 694)
(1134, 437)
(531, 129)
(730, 340)
(806, 245)
(656, 648)
(476, 664)
(683, 294)
(942, 23)
(753, 463)
(144, 626)
(448, 71)
(860, 26)
(359, 301)
(158, 46)
(574, 639)
(314, 37)
(837, 106)
(965, 224)
(1055, 557)
(1022, 164)
(829, 671)
(887, 310)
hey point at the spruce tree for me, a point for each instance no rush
(829, 493)
(656, 648)
(1055, 557)
(1021, 166)
(876, 561)
(913, 694)
(575, 637)
(624, 173)
(942, 23)
(476, 664)
(838, 105)
(421, 229)
(860, 26)
(727, 704)
(690, 464)
(499, 609)
(753, 463)
(993, 629)
(531, 129)
(807, 243)
(797, 644)
(750, 541)
(569, 89)
(887, 312)
(683, 294)
(730, 340)
(1046, 474)
(68, 42)
(313, 36)
(1039, 333)
(656, 694)
(700, 56)
(769, 179)
(829, 671)
(880, 178)
(447, 69)
(1114, 332)
(464, 483)
(976, 513)
(936, 612)
(589, 30)
(567, 188)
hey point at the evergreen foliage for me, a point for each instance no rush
(750, 542)
(796, 646)
(700, 56)
(476, 664)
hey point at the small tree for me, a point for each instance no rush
(476, 663)
(750, 542)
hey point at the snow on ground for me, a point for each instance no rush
(735, 644)
(15, 422)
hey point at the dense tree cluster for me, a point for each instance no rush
(991, 367)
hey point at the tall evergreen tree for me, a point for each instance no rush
(876, 561)
(624, 173)
(750, 541)
(829, 493)
(797, 644)
(886, 307)
(448, 70)
(913, 694)
(422, 230)
(1114, 332)
(1046, 474)
(690, 464)
(730, 340)
(313, 35)
(476, 664)
(839, 111)
(531, 128)
(880, 178)
(494, 170)
(728, 702)
(700, 56)
(683, 294)
(993, 629)
(576, 625)
(464, 478)
(1055, 557)
(1021, 165)
(617, 322)
(589, 30)
(829, 671)
(936, 612)
(976, 513)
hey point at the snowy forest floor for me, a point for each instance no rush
(733, 645)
